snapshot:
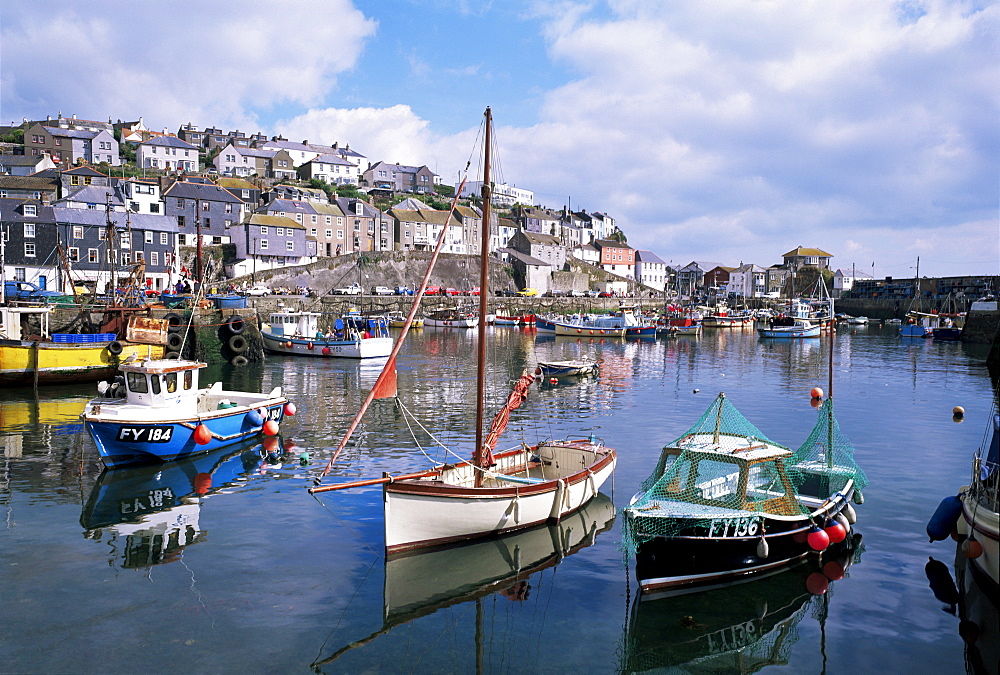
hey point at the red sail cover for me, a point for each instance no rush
(385, 385)
(514, 401)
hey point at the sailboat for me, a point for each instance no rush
(491, 494)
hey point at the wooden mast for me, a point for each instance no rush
(483, 297)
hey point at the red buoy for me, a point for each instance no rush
(310, 346)
(553, 380)
(290, 409)
(270, 428)
(818, 539)
(833, 571)
(366, 335)
(289, 344)
(835, 531)
(326, 351)
(817, 584)
(202, 435)
(202, 483)
(816, 392)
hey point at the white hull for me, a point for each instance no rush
(470, 322)
(446, 509)
(587, 331)
(360, 348)
(983, 523)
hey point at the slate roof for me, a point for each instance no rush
(802, 251)
(527, 259)
(274, 221)
(99, 218)
(92, 194)
(169, 142)
(539, 238)
(187, 190)
(72, 133)
(648, 257)
(35, 182)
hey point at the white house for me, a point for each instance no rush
(843, 280)
(168, 153)
(650, 270)
(748, 281)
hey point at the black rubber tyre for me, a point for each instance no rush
(115, 348)
(172, 355)
(239, 360)
(174, 341)
(236, 325)
(238, 344)
(175, 322)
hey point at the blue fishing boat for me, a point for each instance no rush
(154, 412)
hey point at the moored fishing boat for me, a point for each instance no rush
(450, 317)
(490, 494)
(567, 368)
(974, 514)
(155, 412)
(725, 502)
(397, 319)
(51, 359)
(790, 328)
(298, 333)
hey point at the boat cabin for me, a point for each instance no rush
(295, 324)
(747, 478)
(156, 383)
(14, 322)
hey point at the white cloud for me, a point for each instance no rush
(158, 59)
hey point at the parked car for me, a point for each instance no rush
(506, 293)
(577, 294)
(592, 294)
(474, 290)
(353, 289)
(381, 290)
(404, 290)
(451, 292)
(605, 294)
(432, 290)
(25, 290)
(259, 291)
(528, 292)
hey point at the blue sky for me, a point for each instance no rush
(729, 131)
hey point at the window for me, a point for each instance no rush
(164, 238)
(246, 193)
(206, 206)
(30, 210)
(229, 207)
(263, 244)
(180, 221)
(126, 240)
(181, 239)
(29, 249)
(154, 208)
(74, 254)
(280, 231)
(329, 219)
(208, 222)
(29, 230)
(148, 237)
(180, 203)
(263, 229)
(137, 382)
(229, 224)
(92, 255)
(314, 218)
(154, 258)
(313, 231)
(3, 194)
(126, 258)
(216, 240)
(19, 274)
(329, 234)
(289, 246)
(340, 234)
(140, 255)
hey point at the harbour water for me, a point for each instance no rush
(227, 564)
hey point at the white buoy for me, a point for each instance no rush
(762, 548)
(850, 514)
(844, 522)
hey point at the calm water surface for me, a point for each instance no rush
(228, 564)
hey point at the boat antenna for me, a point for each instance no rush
(483, 297)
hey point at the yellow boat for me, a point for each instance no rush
(42, 360)
(397, 320)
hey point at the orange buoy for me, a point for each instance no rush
(818, 539)
(816, 392)
(326, 351)
(958, 411)
(290, 409)
(310, 346)
(972, 549)
(202, 435)
(289, 344)
(270, 428)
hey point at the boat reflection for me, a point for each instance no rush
(29, 424)
(422, 583)
(148, 514)
(977, 607)
(732, 629)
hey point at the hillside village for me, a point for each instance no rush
(83, 200)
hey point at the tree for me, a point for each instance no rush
(348, 191)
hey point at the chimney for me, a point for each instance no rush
(305, 142)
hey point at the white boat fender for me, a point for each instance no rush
(859, 498)
(850, 514)
(844, 522)
(763, 550)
